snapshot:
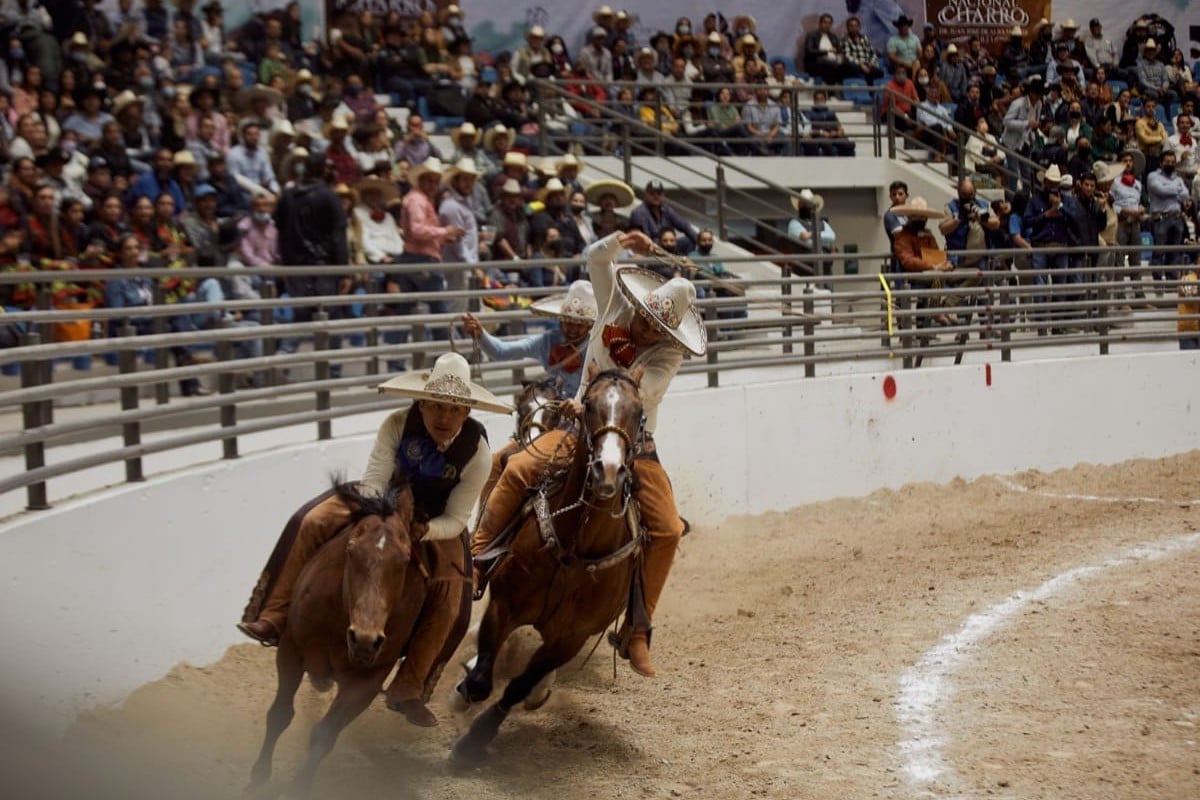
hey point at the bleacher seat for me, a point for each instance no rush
(857, 96)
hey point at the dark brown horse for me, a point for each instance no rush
(352, 614)
(573, 579)
(537, 407)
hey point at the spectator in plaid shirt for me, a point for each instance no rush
(858, 50)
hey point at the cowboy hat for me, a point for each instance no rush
(448, 382)
(714, 38)
(622, 191)
(184, 158)
(569, 160)
(464, 166)
(536, 32)
(552, 186)
(1051, 175)
(808, 199)
(515, 158)
(577, 305)
(338, 123)
(201, 91)
(489, 136)
(1069, 25)
(282, 127)
(903, 19)
(1106, 171)
(1150, 44)
(387, 190)
(670, 305)
(952, 49)
(917, 208)
(80, 39)
(511, 187)
(466, 129)
(213, 7)
(261, 91)
(602, 12)
(123, 101)
(1015, 31)
(1139, 159)
(430, 166)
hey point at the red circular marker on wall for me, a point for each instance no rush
(889, 387)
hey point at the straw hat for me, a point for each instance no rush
(387, 190)
(1139, 159)
(808, 199)
(80, 39)
(514, 158)
(603, 12)
(1106, 171)
(430, 166)
(714, 38)
(1015, 31)
(569, 160)
(337, 123)
(511, 187)
(123, 101)
(466, 129)
(1052, 175)
(577, 305)
(465, 166)
(536, 32)
(917, 208)
(952, 49)
(448, 382)
(1070, 25)
(552, 186)
(670, 305)
(622, 190)
(489, 136)
(184, 158)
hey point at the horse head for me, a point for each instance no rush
(612, 422)
(377, 557)
(537, 408)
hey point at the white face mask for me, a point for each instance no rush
(556, 49)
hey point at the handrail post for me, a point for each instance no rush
(904, 323)
(810, 346)
(162, 390)
(876, 126)
(267, 317)
(785, 290)
(659, 144)
(714, 377)
(795, 112)
(626, 153)
(321, 366)
(131, 431)
(1100, 283)
(722, 226)
(226, 383)
(891, 126)
(33, 416)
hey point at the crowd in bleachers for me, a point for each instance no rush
(159, 129)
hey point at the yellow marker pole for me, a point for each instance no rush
(891, 308)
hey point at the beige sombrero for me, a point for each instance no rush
(621, 189)
(448, 382)
(261, 90)
(569, 160)
(1052, 175)
(1107, 171)
(577, 305)
(466, 129)
(387, 190)
(489, 136)
(808, 198)
(668, 304)
(429, 165)
(553, 185)
(917, 208)
(514, 158)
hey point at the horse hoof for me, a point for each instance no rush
(459, 702)
(467, 753)
(533, 703)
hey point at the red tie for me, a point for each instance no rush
(620, 347)
(565, 357)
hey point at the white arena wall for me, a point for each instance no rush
(105, 593)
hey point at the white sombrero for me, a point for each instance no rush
(577, 305)
(669, 304)
(917, 208)
(430, 165)
(620, 189)
(448, 382)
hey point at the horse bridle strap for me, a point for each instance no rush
(634, 520)
(619, 431)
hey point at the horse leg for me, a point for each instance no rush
(471, 747)
(289, 665)
(494, 629)
(353, 697)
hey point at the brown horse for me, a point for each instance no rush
(569, 577)
(352, 614)
(537, 407)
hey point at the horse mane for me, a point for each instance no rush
(370, 505)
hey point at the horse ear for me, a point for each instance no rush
(525, 384)
(636, 374)
(593, 369)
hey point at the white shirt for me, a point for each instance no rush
(381, 240)
(661, 361)
(1185, 155)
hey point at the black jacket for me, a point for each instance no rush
(312, 232)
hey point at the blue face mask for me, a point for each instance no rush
(714, 51)
(353, 90)
(16, 54)
(146, 83)
(78, 57)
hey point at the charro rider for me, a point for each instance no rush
(648, 323)
(444, 454)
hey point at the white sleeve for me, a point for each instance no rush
(462, 498)
(382, 461)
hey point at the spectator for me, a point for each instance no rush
(1169, 201)
(595, 58)
(1152, 76)
(250, 163)
(983, 160)
(1062, 63)
(1179, 74)
(904, 48)
(725, 126)
(967, 224)
(1183, 145)
(1086, 217)
(860, 52)
(1077, 127)
(1151, 133)
(1105, 144)
(456, 210)
(608, 195)
(258, 242)
(1189, 310)
(232, 200)
(1100, 51)
(90, 118)
(555, 214)
(915, 249)
(715, 67)
(1126, 196)
(978, 58)
(1046, 221)
(1041, 49)
(677, 94)
(810, 229)
(512, 241)
(893, 222)
(826, 136)
(139, 292)
(954, 74)
(425, 235)
(1081, 160)
(1014, 59)
(1020, 125)
(971, 109)
(763, 121)
(655, 213)
(901, 97)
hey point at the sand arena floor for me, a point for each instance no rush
(1032, 636)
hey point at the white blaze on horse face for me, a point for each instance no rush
(612, 451)
(382, 541)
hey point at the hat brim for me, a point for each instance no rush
(390, 190)
(622, 190)
(489, 137)
(273, 96)
(412, 386)
(552, 307)
(1040, 177)
(915, 212)
(636, 283)
(1139, 160)
(421, 170)
(817, 202)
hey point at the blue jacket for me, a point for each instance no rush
(538, 346)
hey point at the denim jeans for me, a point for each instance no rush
(1167, 231)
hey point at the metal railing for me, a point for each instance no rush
(795, 320)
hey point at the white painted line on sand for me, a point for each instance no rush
(1009, 483)
(926, 687)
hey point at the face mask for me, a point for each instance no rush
(742, 31)
(299, 168)
(714, 51)
(689, 51)
(818, 104)
(556, 49)
(684, 30)
(78, 57)
(145, 83)
(16, 54)
(169, 92)
(578, 209)
(1168, 169)
(353, 90)
(704, 249)
(923, 81)
(1084, 151)
(1076, 115)
(305, 90)
(262, 217)
(69, 145)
